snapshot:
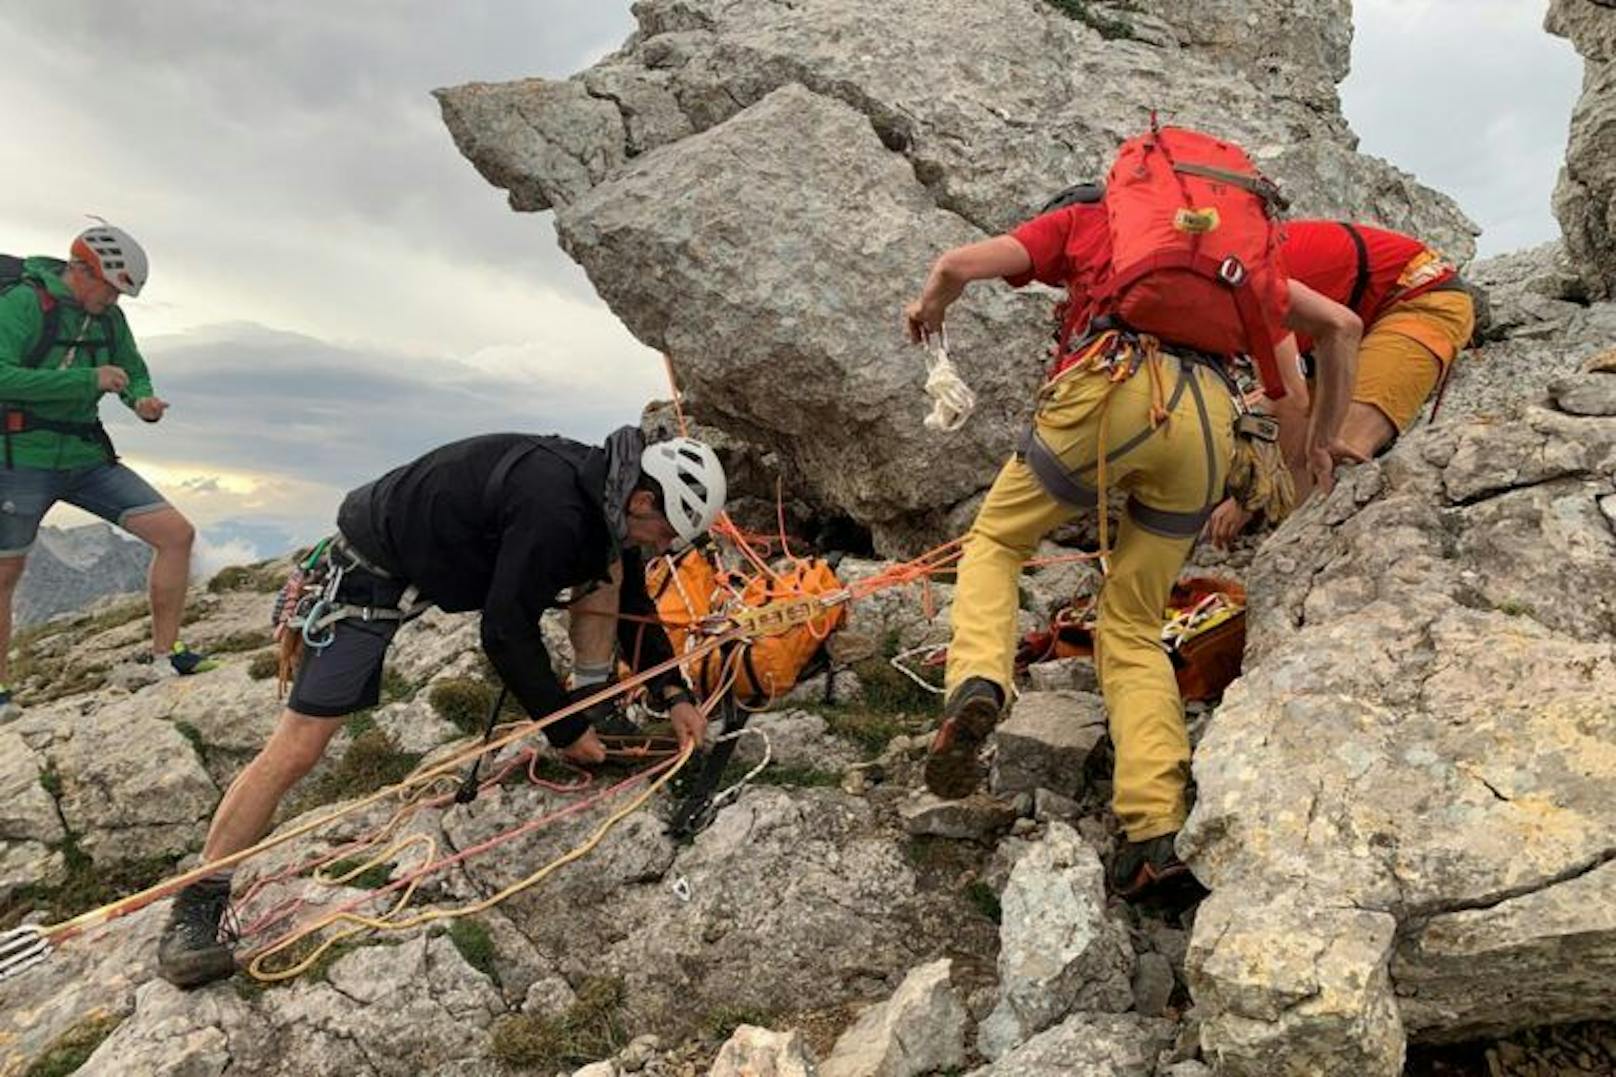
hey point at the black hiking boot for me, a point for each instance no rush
(189, 953)
(1150, 873)
(953, 769)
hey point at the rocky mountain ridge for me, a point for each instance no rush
(757, 188)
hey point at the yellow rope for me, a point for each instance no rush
(409, 790)
(255, 967)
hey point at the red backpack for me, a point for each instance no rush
(1195, 247)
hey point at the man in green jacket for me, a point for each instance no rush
(63, 344)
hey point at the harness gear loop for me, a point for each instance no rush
(317, 623)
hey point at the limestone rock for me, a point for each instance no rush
(1088, 1045)
(1585, 394)
(812, 692)
(1059, 951)
(1457, 763)
(27, 811)
(792, 899)
(1075, 674)
(1058, 582)
(1153, 984)
(1542, 327)
(607, 1068)
(1553, 951)
(892, 130)
(402, 1009)
(97, 975)
(1295, 991)
(757, 1052)
(796, 739)
(1585, 199)
(132, 786)
(1046, 743)
(24, 863)
(919, 1030)
(910, 616)
(975, 818)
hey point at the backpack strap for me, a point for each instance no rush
(1261, 186)
(502, 470)
(50, 312)
(1360, 281)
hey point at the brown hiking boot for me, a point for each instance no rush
(1150, 873)
(190, 952)
(953, 769)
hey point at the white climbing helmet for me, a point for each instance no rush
(113, 256)
(692, 482)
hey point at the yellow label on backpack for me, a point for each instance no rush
(1196, 221)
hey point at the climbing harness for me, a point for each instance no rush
(315, 615)
(952, 400)
(309, 605)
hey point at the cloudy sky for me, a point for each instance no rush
(334, 288)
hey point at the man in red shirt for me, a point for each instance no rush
(1418, 317)
(1113, 386)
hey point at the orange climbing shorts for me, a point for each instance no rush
(1406, 351)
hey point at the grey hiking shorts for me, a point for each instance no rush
(346, 676)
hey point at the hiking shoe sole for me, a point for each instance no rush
(953, 770)
(198, 967)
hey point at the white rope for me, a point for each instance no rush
(731, 792)
(952, 401)
(930, 650)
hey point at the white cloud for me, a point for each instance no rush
(207, 557)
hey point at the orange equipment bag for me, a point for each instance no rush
(692, 588)
(1204, 636)
(1195, 247)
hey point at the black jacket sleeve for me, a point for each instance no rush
(528, 573)
(641, 644)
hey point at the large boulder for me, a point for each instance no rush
(1585, 198)
(1441, 792)
(757, 188)
(1059, 951)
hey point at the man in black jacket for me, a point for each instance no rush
(503, 524)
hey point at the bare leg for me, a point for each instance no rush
(10, 573)
(592, 624)
(249, 805)
(1366, 429)
(171, 536)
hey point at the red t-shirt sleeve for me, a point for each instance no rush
(1045, 240)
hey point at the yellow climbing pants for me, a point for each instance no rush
(1173, 473)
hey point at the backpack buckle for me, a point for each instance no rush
(1232, 271)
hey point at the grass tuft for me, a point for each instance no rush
(73, 1048)
(464, 702)
(264, 665)
(372, 761)
(591, 1030)
(475, 943)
